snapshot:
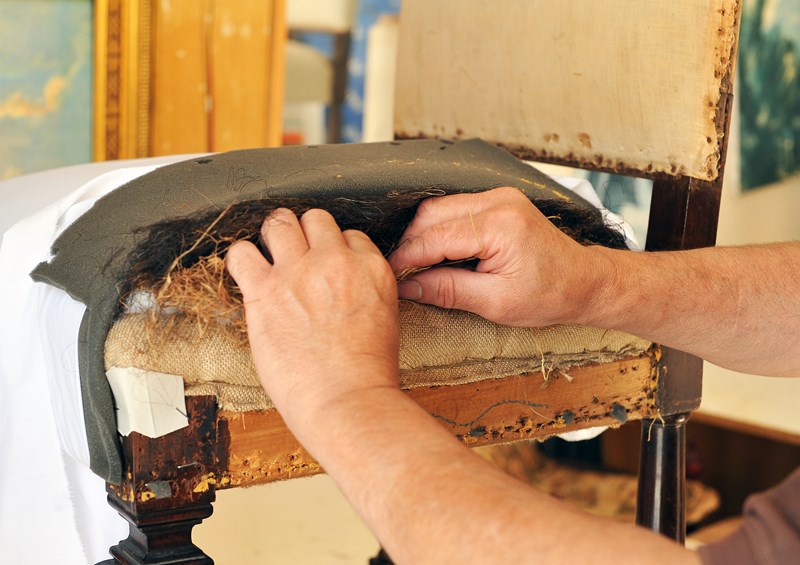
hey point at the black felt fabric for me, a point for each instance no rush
(90, 256)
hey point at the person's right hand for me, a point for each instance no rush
(321, 318)
(529, 273)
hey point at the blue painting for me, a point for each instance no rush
(769, 91)
(45, 84)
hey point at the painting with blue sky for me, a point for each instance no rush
(45, 84)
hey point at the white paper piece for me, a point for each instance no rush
(583, 435)
(150, 403)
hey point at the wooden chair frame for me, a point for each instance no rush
(340, 33)
(170, 482)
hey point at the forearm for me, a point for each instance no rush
(738, 307)
(430, 500)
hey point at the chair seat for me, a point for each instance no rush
(437, 348)
(485, 382)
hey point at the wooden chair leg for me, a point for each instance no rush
(339, 59)
(661, 499)
(162, 537)
(381, 559)
(168, 487)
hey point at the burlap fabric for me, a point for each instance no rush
(437, 348)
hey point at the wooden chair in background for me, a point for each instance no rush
(642, 89)
(312, 76)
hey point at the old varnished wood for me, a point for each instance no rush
(382, 558)
(262, 449)
(171, 481)
(168, 488)
(680, 383)
(661, 497)
(683, 215)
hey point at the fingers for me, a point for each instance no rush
(455, 288)
(453, 240)
(360, 242)
(288, 238)
(320, 229)
(459, 226)
(282, 235)
(445, 208)
(247, 266)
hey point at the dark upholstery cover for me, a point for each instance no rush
(91, 255)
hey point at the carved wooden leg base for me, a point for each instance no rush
(161, 537)
(168, 486)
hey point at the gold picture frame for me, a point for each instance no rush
(129, 116)
(122, 54)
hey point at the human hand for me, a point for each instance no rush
(529, 273)
(322, 319)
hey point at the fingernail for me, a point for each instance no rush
(280, 215)
(409, 290)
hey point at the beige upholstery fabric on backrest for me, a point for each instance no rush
(603, 84)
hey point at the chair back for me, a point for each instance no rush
(628, 86)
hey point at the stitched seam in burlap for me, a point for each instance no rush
(438, 348)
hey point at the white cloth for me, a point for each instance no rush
(46, 487)
(45, 481)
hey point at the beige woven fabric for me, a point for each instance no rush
(433, 337)
(437, 347)
(604, 103)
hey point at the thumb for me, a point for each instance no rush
(247, 266)
(461, 289)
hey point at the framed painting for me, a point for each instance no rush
(45, 84)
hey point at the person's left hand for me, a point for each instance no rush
(322, 319)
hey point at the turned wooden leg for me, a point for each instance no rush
(168, 489)
(661, 499)
(160, 537)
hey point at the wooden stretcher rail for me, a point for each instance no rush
(170, 482)
(261, 449)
